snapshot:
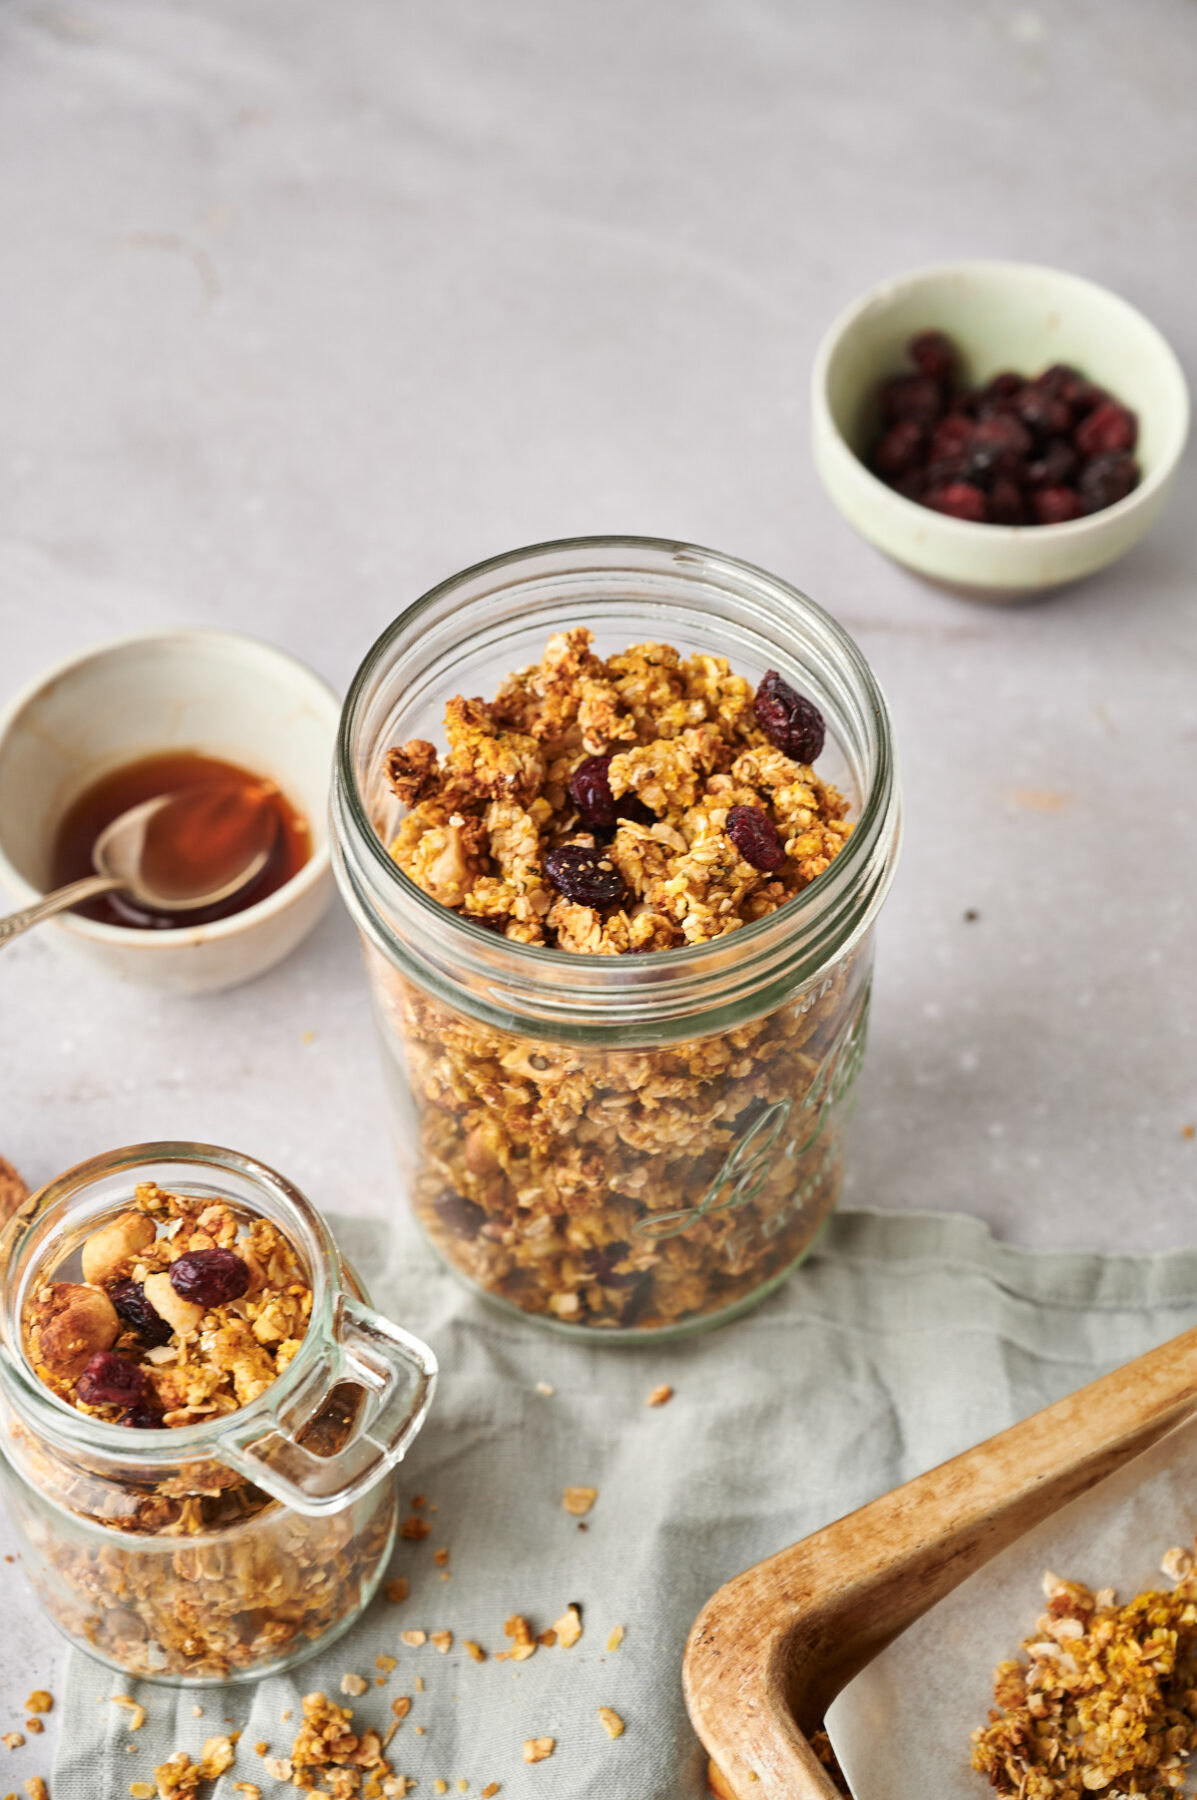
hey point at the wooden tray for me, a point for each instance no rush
(772, 1649)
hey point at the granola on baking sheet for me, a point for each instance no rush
(188, 1309)
(619, 807)
(1105, 1700)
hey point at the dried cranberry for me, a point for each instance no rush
(1041, 412)
(459, 1215)
(1006, 503)
(1107, 479)
(996, 446)
(997, 393)
(1055, 467)
(914, 397)
(1069, 385)
(755, 836)
(144, 1418)
(590, 791)
(950, 435)
(1055, 505)
(601, 1264)
(209, 1277)
(108, 1380)
(1108, 427)
(898, 450)
(585, 873)
(129, 1299)
(598, 809)
(959, 499)
(788, 719)
(933, 353)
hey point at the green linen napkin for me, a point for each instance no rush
(905, 1339)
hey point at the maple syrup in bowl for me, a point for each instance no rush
(242, 717)
(231, 814)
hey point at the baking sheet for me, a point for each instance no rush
(902, 1728)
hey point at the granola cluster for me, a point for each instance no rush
(196, 1360)
(187, 1311)
(1105, 1700)
(685, 748)
(603, 1186)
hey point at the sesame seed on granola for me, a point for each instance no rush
(660, 1396)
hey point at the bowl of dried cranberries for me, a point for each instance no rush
(999, 428)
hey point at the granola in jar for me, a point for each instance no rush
(181, 1523)
(617, 825)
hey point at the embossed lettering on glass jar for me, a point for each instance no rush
(628, 1144)
(233, 1547)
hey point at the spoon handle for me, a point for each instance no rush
(58, 901)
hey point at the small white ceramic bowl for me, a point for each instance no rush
(211, 691)
(1002, 316)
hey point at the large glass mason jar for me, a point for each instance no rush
(238, 1545)
(617, 1145)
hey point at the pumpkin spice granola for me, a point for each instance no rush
(188, 1310)
(1106, 1700)
(616, 808)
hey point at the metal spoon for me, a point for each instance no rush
(124, 857)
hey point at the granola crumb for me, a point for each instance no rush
(39, 1701)
(490, 1790)
(261, 1748)
(579, 1500)
(401, 1707)
(660, 1396)
(12, 1740)
(353, 1684)
(569, 1628)
(250, 1789)
(611, 1722)
(440, 1558)
(197, 1712)
(397, 1590)
(617, 1635)
(474, 1651)
(439, 1786)
(419, 1684)
(415, 1529)
(545, 1387)
(1188, 1132)
(413, 1639)
(141, 1790)
(462, 1785)
(523, 1643)
(137, 1713)
(35, 1787)
(386, 1663)
(442, 1641)
(1176, 1564)
(538, 1749)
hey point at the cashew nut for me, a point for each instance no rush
(68, 1323)
(181, 1315)
(107, 1251)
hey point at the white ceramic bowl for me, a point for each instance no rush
(212, 691)
(1003, 316)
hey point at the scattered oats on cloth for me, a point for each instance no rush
(888, 1310)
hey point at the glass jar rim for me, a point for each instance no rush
(65, 1425)
(644, 988)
